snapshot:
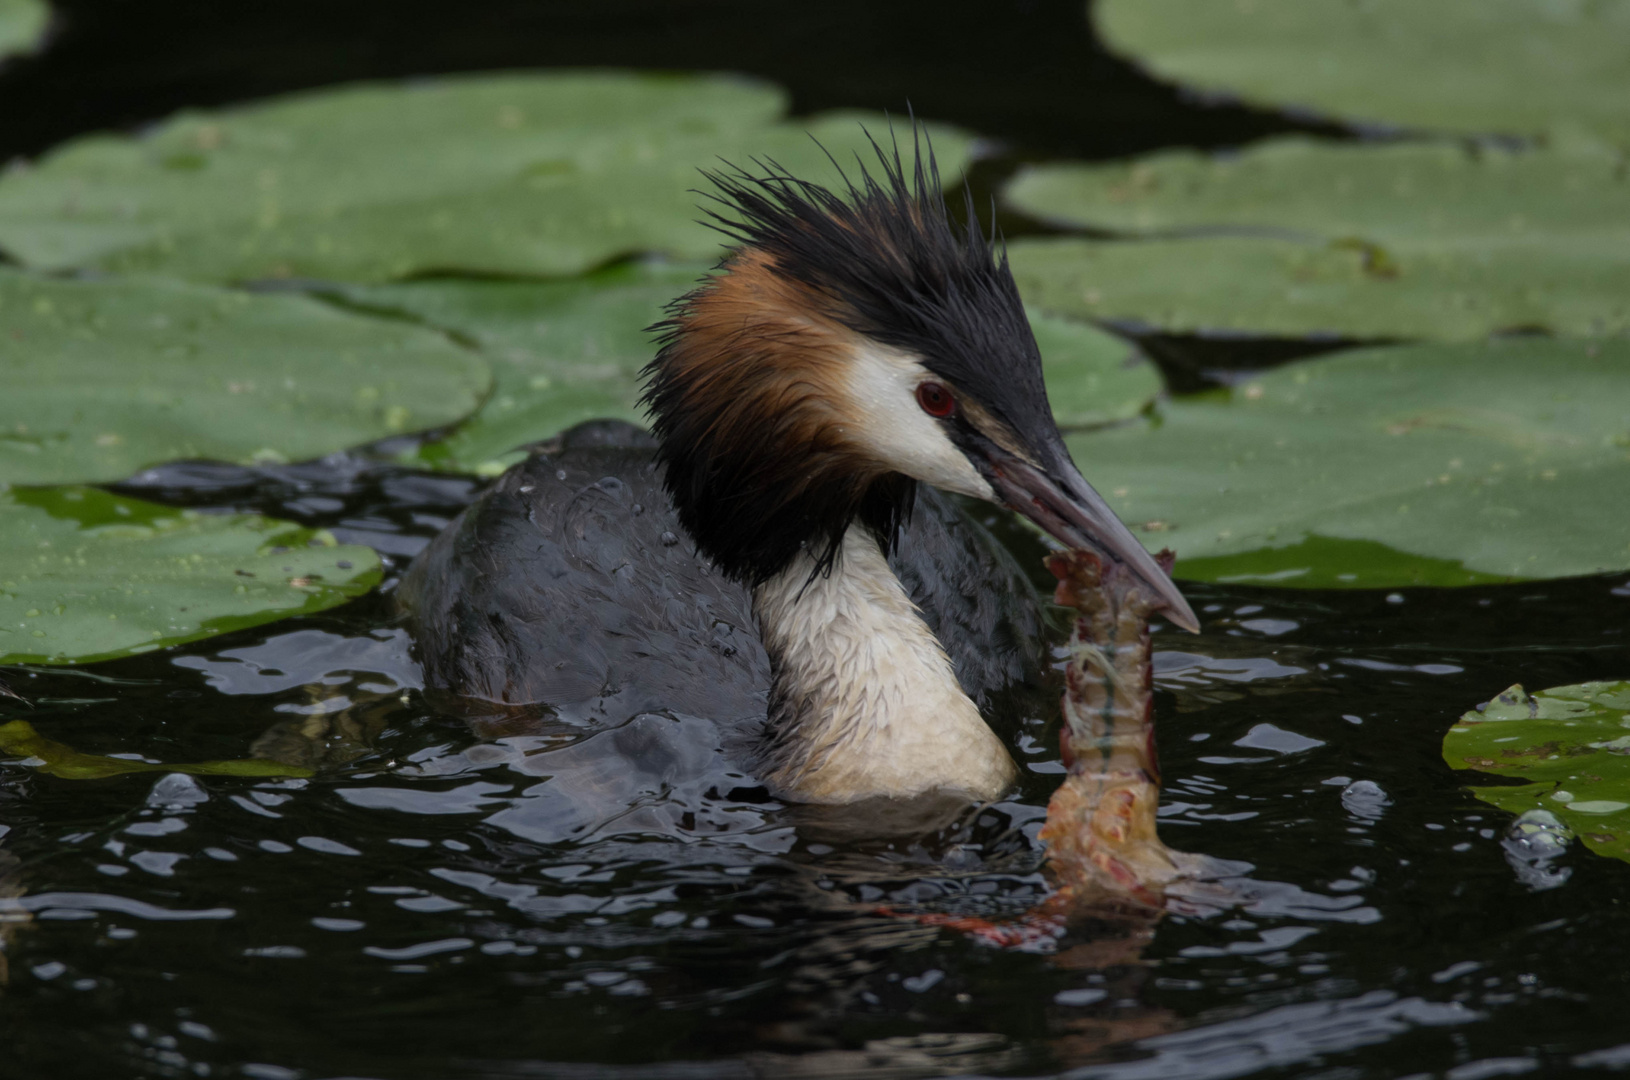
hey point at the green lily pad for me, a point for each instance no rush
(19, 739)
(1297, 237)
(547, 174)
(1572, 745)
(1520, 67)
(85, 575)
(561, 351)
(567, 351)
(103, 378)
(22, 24)
(1093, 377)
(1415, 465)
(1324, 562)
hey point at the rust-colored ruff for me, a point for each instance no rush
(748, 401)
(760, 359)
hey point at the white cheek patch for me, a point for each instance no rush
(894, 430)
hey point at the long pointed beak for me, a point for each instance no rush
(1067, 509)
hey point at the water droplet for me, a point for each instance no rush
(668, 538)
(1597, 806)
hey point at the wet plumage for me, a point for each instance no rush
(778, 555)
(581, 592)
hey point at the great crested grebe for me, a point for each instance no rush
(773, 538)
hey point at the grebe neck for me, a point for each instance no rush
(863, 700)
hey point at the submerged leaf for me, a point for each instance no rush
(104, 378)
(567, 351)
(1301, 237)
(1417, 465)
(538, 174)
(1572, 745)
(85, 575)
(22, 25)
(1520, 67)
(19, 739)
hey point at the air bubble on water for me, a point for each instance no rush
(1365, 799)
(1532, 843)
(176, 791)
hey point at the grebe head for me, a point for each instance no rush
(852, 345)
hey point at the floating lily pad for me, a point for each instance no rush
(103, 378)
(567, 351)
(19, 739)
(22, 24)
(561, 351)
(85, 575)
(1300, 237)
(1416, 465)
(1572, 743)
(1092, 377)
(548, 174)
(1520, 67)
(1324, 562)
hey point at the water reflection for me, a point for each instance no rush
(311, 658)
(1201, 680)
(526, 892)
(12, 915)
(1285, 1036)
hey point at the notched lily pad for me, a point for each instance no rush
(22, 25)
(19, 739)
(1572, 746)
(85, 575)
(1519, 67)
(537, 174)
(103, 378)
(567, 351)
(1415, 465)
(1296, 237)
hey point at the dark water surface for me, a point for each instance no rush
(615, 904)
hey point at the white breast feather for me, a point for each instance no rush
(879, 710)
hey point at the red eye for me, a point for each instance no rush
(935, 399)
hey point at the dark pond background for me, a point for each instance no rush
(437, 906)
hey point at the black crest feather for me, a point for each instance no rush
(884, 259)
